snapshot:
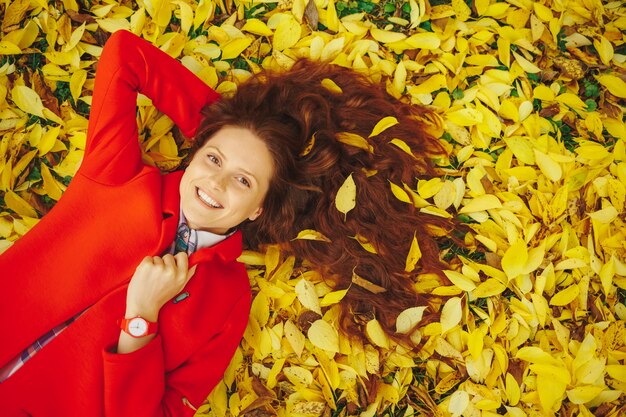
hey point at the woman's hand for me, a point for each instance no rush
(156, 281)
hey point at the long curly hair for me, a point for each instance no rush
(292, 110)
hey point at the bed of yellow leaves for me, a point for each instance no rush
(532, 99)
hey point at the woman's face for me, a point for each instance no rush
(226, 181)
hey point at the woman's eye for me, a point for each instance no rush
(244, 181)
(214, 159)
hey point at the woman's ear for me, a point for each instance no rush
(255, 214)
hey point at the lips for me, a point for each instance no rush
(207, 199)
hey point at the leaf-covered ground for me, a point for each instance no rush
(532, 99)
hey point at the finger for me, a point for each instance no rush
(157, 260)
(145, 262)
(191, 272)
(182, 263)
(169, 262)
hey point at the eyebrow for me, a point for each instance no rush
(225, 159)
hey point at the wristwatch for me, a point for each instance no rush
(138, 326)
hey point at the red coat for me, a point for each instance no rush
(83, 253)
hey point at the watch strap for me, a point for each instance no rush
(151, 327)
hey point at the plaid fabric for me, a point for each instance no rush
(17, 362)
(186, 239)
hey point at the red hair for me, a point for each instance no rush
(286, 110)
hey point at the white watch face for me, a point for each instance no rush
(137, 327)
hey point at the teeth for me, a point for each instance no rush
(207, 199)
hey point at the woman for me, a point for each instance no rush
(266, 164)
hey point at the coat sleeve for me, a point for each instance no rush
(130, 65)
(135, 384)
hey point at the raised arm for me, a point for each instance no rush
(130, 65)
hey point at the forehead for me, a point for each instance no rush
(243, 149)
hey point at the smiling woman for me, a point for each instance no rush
(137, 304)
(223, 186)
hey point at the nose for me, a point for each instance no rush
(218, 182)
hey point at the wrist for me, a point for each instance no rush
(138, 327)
(151, 315)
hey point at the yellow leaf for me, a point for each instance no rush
(451, 314)
(408, 319)
(370, 286)
(557, 373)
(235, 47)
(333, 298)
(9, 48)
(77, 35)
(535, 354)
(565, 296)
(112, 25)
(613, 84)
(77, 80)
(331, 86)
(481, 203)
(324, 336)
(548, 166)
(521, 148)
(383, 124)
(402, 145)
(27, 100)
(376, 334)
(446, 196)
(512, 389)
(514, 259)
(309, 146)
(460, 280)
(605, 50)
(345, 200)
(605, 215)
(435, 82)
(584, 394)
(295, 338)
(461, 9)
(48, 139)
(571, 100)
(459, 401)
(355, 140)
(617, 372)
(489, 288)
(475, 343)
(298, 376)
(332, 20)
(307, 295)
(543, 92)
(526, 65)
(19, 205)
(400, 193)
(21, 165)
(607, 272)
(465, 117)
(386, 36)
(309, 234)
(50, 185)
(416, 14)
(257, 27)
(365, 244)
(544, 13)
(287, 34)
(414, 256)
(592, 151)
(424, 40)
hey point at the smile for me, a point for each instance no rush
(207, 199)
